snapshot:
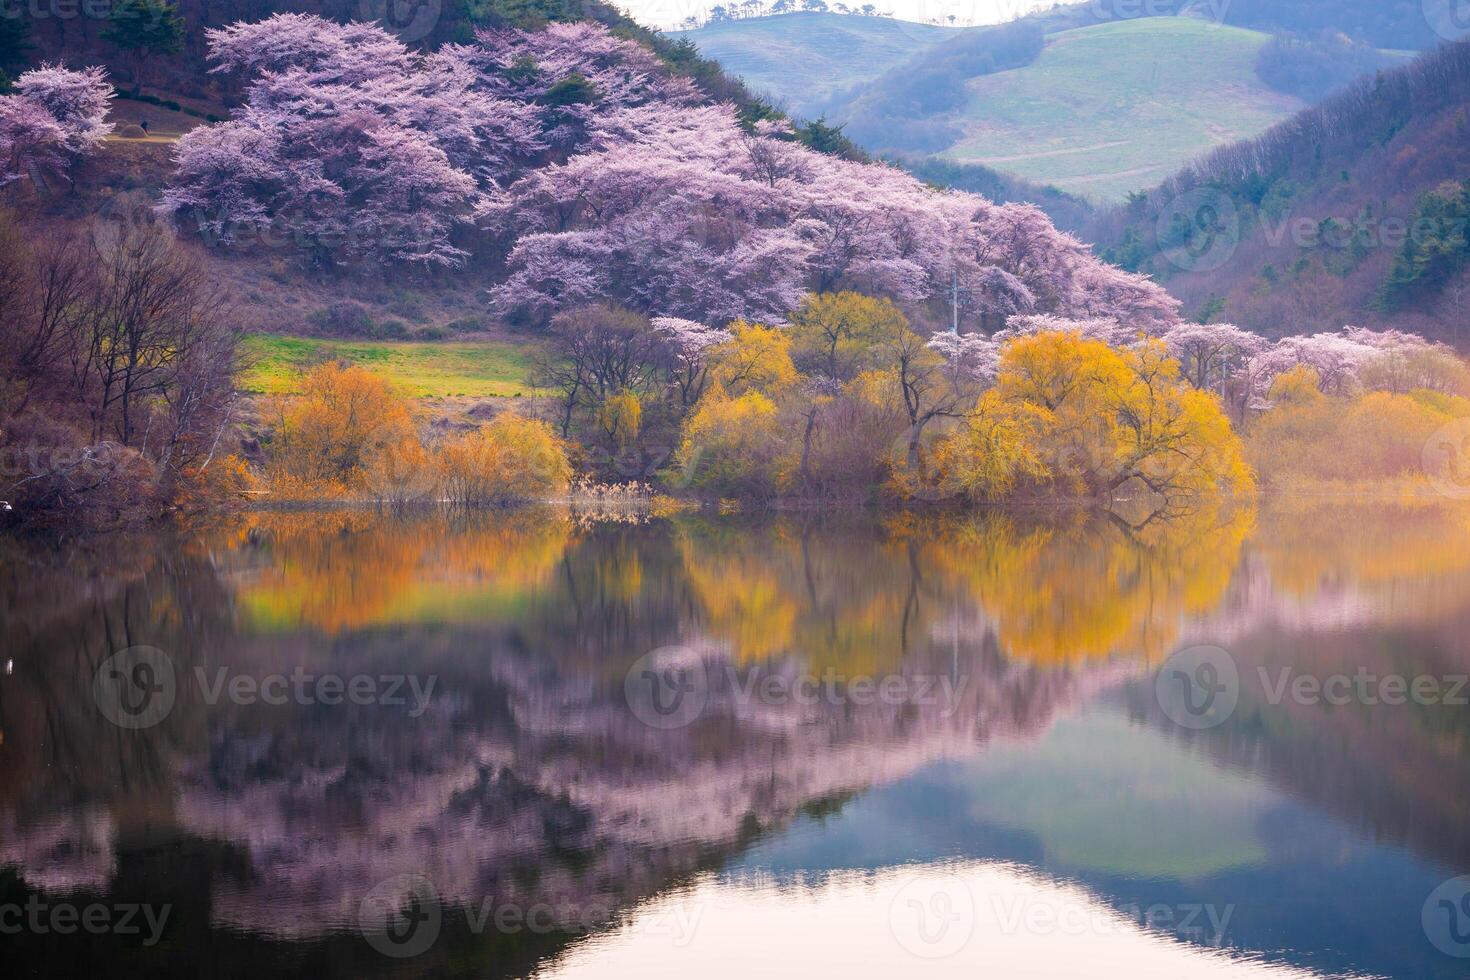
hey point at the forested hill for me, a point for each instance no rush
(1354, 211)
(158, 48)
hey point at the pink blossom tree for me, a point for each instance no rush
(57, 117)
(349, 144)
(1213, 354)
(690, 343)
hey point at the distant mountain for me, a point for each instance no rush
(804, 59)
(1069, 97)
(1353, 211)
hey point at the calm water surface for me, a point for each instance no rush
(351, 744)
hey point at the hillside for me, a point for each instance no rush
(1116, 107)
(1106, 109)
(804, 59)
(1046, 97)
(1354, 211)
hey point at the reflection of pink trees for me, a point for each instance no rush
(467, 799)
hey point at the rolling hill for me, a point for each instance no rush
(805, 59)
(1113, 108)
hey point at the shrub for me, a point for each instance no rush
(328, 438)
(508, 460)
(342, 319)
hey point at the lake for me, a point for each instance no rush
(1224, 743)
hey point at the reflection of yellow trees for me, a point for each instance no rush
(1079, 587)
(736, 580)
(1416, 552)
(342, 570)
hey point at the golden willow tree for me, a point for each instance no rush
(1071, 416)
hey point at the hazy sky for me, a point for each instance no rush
(669, 13)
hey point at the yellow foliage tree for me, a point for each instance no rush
(510, 459)
(621, 417)
(327, 437)
(1072, 415)
(732, 445)
(840, 334)
(755, 358)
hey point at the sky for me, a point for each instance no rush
(668, 14)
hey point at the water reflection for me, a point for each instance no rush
(550, 822)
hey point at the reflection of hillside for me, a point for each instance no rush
(528, 780)
(1334, 589)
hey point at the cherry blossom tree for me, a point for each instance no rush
(690, 343)
(1213, 354)
(601, 176)
(1108, 331)
(349, 144)
(969, 356)
(31, 140)
(77, 99)
(57, 117)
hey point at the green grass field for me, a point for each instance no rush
(805, 58)
(477, 369)
(1118, 107)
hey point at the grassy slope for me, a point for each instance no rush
(1117, 107)
(476, 369)
(804, 58)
